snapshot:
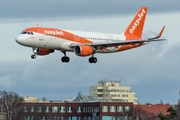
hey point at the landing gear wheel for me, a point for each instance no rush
(33, 56)
(65, 59)
(92, 60)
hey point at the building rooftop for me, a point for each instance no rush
(86, 98)
(155, 108)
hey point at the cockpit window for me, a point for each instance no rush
(23, 33)
(30, 33)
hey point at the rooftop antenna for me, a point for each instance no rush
(37, 25)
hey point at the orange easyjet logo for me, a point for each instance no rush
(137, 22)
(53, 32)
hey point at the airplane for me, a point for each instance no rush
(44, 41)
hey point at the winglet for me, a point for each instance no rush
(159, 35)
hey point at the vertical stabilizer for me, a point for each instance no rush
(135, 28)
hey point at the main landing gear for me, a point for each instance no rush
(65, 58)
(92, 59)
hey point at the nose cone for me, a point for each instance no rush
(21, 39)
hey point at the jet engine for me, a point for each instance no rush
(83, 50)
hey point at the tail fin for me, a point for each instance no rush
(135, 28)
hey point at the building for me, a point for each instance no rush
(73, 110)
(30, 99)
(112, 91)
(89, 108)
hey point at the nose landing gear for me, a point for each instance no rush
(35, 51)
(33, 56)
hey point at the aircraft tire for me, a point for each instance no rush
(92, 60)
(67, 59)
(33, 56)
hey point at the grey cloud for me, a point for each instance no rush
(43, 9)
(8, 80)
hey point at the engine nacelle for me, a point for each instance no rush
(83, 50)
(42, 51)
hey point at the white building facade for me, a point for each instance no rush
(112, 91)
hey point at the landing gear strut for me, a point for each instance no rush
(35, 50)
(65, 58)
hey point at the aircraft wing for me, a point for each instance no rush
(109, 44)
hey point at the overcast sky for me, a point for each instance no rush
(152, 71)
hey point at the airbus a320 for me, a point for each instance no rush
(44, 41)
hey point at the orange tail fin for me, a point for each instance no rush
(135, 28)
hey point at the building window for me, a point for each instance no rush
(120, 109)
(43, 118)
(28, 118)
(58, 118)
(62, 118)
(104, 108)
(90, 107)
(47, 110)
(78, 109)
(39, 109)
(54, 109)
(85, 117)
(54, 117)
(112, 109)
(94, 90)
(25, 109)
(99, 90)
(127, 108)
(69, 109)
(32, 109)
(124, 95)
(62, 109)
(97, 108)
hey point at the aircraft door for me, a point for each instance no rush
(41, 35)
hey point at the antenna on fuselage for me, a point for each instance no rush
(37, 25)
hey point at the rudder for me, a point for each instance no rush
(136, 26)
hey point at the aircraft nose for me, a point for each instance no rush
(20, 39)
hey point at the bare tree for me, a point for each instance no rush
(11, 104)
(44, 99)
(178, 110)
(137, 113)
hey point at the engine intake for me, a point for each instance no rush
(83, 50)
